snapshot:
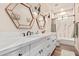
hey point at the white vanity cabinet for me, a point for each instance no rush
(22, 51)
(42, 45)
(50, 45)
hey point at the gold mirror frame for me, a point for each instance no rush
(37, 8)
(41, 26)
(15, 18)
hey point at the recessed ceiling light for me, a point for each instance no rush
(62, 9)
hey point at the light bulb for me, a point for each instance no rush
(35, 14)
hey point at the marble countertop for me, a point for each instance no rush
(12, 43)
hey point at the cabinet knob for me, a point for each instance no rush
(19, 54)
(39, 52)
(52, 40)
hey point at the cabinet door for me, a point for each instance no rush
(39, 52)
(23, 51)
(36, 47)
(49, 46)
(43, 50)
(53, 45)
(12, 53)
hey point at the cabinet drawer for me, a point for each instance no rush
(37, 43)
(49, 47)
(54, 42)
(53, 37)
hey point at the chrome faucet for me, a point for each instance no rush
(29, 33)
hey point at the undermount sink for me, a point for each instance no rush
(32, 36)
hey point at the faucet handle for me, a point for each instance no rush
(31, 33)
(23, 34)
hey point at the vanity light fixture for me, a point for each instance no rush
(48, 15)
(38, 8)
(20, 14)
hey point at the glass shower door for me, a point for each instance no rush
(65, 28)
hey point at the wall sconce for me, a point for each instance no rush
(38, 8)
(49, 16)
(35, 15)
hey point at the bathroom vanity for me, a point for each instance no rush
(35, 45)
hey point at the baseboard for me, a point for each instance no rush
(66, 42)
(76, 51)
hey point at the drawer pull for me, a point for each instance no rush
(19, 54)
(40, 51)
(52, 40)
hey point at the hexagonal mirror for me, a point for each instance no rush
(41, 22)
(40, 19)
(20, 14)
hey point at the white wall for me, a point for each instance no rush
(8, 31)
(6, 24)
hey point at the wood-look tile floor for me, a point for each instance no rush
(57, 51)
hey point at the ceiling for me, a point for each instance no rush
(56, 7)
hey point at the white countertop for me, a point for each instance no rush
(9, 44)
